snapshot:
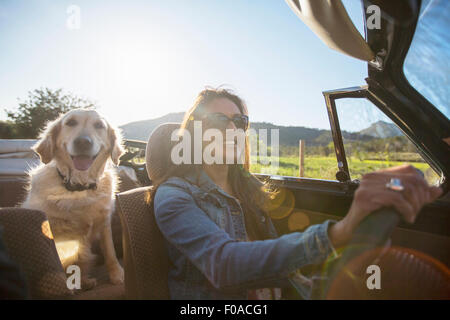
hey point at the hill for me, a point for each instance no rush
(381, 129)
(140, 130)
(289, 135)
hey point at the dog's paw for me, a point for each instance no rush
(88, 283)
(116, 275)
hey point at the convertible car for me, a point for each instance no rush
(402, 45)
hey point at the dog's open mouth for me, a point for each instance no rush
(83, 162)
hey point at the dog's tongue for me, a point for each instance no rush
(82, 163)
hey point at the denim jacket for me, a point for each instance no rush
(210, 257)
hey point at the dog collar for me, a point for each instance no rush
(76, 186)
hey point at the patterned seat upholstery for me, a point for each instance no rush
(25, 233)
(145, 257)
(29, 243)
(28, 240)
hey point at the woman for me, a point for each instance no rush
(220, 241)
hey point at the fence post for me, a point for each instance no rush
(301, 158)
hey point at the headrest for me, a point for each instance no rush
(157, 153)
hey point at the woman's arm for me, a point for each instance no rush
(372, 195)
(228, 263)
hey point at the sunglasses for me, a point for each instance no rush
(220, 121)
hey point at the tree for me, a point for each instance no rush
(7, 130)
(43, 105)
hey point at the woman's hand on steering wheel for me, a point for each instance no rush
(408, 194)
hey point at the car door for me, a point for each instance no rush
(418, 122)
(307, 201)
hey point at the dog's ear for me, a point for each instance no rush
(46, 146)
(115, 138)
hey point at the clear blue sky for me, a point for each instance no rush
(143, 59)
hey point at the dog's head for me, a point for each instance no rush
(78, 138)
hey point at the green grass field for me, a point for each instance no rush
(320, 167)
(326, 167)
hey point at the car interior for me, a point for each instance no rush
(420, 253)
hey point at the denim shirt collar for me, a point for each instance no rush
(203, 181)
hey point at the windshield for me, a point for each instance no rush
(427, 65)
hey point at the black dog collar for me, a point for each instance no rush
(77, 186)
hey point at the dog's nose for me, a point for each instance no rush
(83, 143)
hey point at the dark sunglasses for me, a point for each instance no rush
(220, 121)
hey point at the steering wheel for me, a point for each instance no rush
(371, 233)
(368, 238)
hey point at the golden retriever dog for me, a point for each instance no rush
(75, 186)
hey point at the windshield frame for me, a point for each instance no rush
(389, 86)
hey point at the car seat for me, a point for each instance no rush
(144, 253)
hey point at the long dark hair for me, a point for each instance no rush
(252, 193)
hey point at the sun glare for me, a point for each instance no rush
(128, 74)
(67, 250)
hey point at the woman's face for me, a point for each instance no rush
(230, 148)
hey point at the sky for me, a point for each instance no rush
(143, 59)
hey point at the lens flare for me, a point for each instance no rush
(298, 221)
(282, 204)
(46, 231)
(67, 251)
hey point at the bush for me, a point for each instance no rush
(42, 105)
